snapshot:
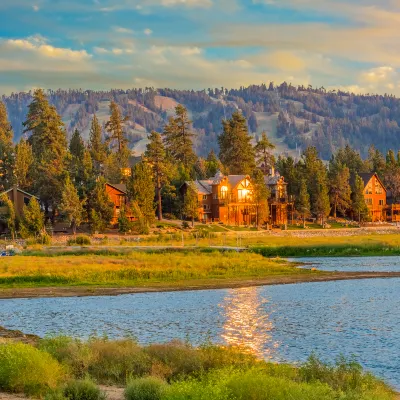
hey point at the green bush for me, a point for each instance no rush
(83, 390)
(149, 388)
(25, 369)
(81, 240)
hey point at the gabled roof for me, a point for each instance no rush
(367, 176)
(19, 190)
(274, 180)
(202, 187)
(234, 180)
(121, 187)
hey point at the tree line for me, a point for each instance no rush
(69, 176)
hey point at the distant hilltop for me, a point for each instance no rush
(293, 117)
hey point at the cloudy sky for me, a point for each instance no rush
(102, 44)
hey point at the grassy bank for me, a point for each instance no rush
(139, 268)
(61, 368)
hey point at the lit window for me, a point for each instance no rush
(224, 192)
(205, 197)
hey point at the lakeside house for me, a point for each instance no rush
(119, 196)
(375, 195)
(229, 199)
(19, 198)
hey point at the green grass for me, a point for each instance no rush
(178, 371)
(140, 268)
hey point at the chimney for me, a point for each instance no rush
(272, 171)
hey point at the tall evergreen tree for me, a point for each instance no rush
(100, 207)
(178, 138)
(360, 209)
(303, 202)
(260, 197)
(376, 161)
(191, 203)
(290, 171)
(49, 147)
(23, 166)
(10, 217)
(212, 164)
(236, 150)
(97, 148)
(321, 205)
(339, 187)
(156, 156)
(263, 151)
(77, 153)
(6, 150)
(71, 205)
(142, 191)
(32, 223)
(117, 137)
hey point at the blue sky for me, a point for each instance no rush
(102, 44)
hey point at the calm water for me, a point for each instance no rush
(351, 264)
(282, 323)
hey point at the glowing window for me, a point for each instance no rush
(224, 192)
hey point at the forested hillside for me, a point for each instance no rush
(293, 117)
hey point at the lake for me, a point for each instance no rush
(281, 323)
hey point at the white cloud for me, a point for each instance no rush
(120, 29)
(35, 8)
(148, 32)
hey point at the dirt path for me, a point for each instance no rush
(81, 291)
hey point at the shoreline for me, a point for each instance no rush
(88, 291)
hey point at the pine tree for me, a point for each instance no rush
(339, 187)
(261, 195)
(77, 153)
(178, 138)
(390, 158)
(6, 150)
(23, 165)
(117, 137)
(360, 208)
(291, 172)
(236, 150)
(213, 165)
(376, 161)
(156, 156)
(49, 147)
(321, 205)
(71, 205)
(263, 151)
(97, 148)
(100, 207)
(32, 223)
(191, 203)
(141, 187)
(10, 217)
(303, 202)
(124, 223)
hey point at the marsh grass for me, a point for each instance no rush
(139, 268)
(66, 368)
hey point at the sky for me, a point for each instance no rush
(197, 44)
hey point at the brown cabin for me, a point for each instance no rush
(375, 195)
(19, 198)
(118, 195)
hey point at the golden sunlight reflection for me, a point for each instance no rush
(247, 323)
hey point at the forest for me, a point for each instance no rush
(304, 116)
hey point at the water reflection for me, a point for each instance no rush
(248, 323)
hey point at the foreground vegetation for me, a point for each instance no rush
(135, 268)
(64, 368)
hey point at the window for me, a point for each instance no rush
(206, 207)
(26, 200)
(378, 188)
(244, 195)
(368, 202)
(381, 202)
(205, 197)
(224, 192)
(369, 189)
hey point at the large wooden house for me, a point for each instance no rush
(375, 195)
(229, 199)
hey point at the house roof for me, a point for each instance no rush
(21, 191)
(274, 180)
(202, 186)
(367, 176)
(234, 180)
(121, 187)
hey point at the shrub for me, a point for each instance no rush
(23, 368)
(79, 240)
(83, 390)
(149, 388)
